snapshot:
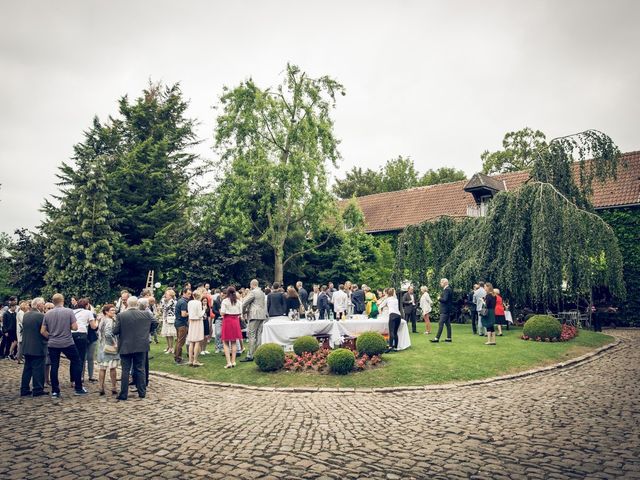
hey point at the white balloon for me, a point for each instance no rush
(158, 285)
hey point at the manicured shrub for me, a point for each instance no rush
(269, 357)
(371, 343)
(541, 327)
(341, 361)
(305, 344)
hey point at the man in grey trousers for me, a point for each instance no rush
(255, 306)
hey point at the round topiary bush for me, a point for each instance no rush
(341, 361)
(306, 344)
(542, 326)
(371, 343)
(269, 357)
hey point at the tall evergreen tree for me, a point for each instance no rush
(149, 177)
(28, 266)
(81, 240)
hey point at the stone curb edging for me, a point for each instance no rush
(447, 386)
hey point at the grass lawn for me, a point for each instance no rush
(466, 358)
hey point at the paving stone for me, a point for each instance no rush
(576, 422)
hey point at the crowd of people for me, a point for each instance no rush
(119, 334)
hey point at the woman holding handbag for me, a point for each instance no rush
(108, 358)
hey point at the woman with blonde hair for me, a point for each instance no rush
(195, 335)
(425, 306)
(489, 320)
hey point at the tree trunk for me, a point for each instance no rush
(278, 272)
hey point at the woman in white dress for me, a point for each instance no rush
(425, 306)
(196, 328)
(168, 309)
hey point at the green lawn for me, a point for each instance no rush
(466, 358)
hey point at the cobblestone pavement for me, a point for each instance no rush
(570, 423)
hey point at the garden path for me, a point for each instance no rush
(569, 423)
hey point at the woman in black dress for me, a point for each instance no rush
(489, 320)
(293, 300)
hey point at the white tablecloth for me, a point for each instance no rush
(360, 324)
(283, 331)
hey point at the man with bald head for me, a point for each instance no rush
(34, 349)
(255, 306)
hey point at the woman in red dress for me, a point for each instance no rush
(500, 318)
(231, 309)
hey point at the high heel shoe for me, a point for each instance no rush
(228, 365)
(233, 364)
(102, 393)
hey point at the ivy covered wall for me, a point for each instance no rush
(626, 225)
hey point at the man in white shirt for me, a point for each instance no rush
(478, 299)
(340, 302)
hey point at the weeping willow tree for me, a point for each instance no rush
(537, 243)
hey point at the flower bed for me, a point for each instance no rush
(568, 332)
(317, 362)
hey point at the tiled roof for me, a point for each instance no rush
(395, 210)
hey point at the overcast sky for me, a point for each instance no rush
(438, 81)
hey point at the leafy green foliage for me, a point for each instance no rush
(520, 150)
(269, 357)
(6, 287)
(371, 343)
(341, 361)
(28, 266)
(305, 344)
(542, 326)
(275, 146)
(80, 255)
(442, 175)
(534, 244)
(397, 174)
(537, 243)
(626, 225)
(556, 162)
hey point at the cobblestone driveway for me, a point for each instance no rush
(572, 423)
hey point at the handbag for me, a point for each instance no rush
(110, 349)
(484, 311)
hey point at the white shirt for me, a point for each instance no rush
(83, 317)
(425, 303)
(227, 308)
(194, 307)
(314, 295)
(19, 316)
(392, 304)
(478, 297)
(340, 301)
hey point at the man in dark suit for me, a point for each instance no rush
(357, 298)
(323, 303)
(303, 294)
(446, 310)
(34, 349)
(133, 327)
(409, 307)
(277, 302)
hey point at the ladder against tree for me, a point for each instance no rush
(150, 280)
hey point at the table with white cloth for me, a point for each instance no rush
(358, 324)
(283, 331)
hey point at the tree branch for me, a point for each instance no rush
(302, 252)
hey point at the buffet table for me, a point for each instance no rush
(283, 331)
(360, 323)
